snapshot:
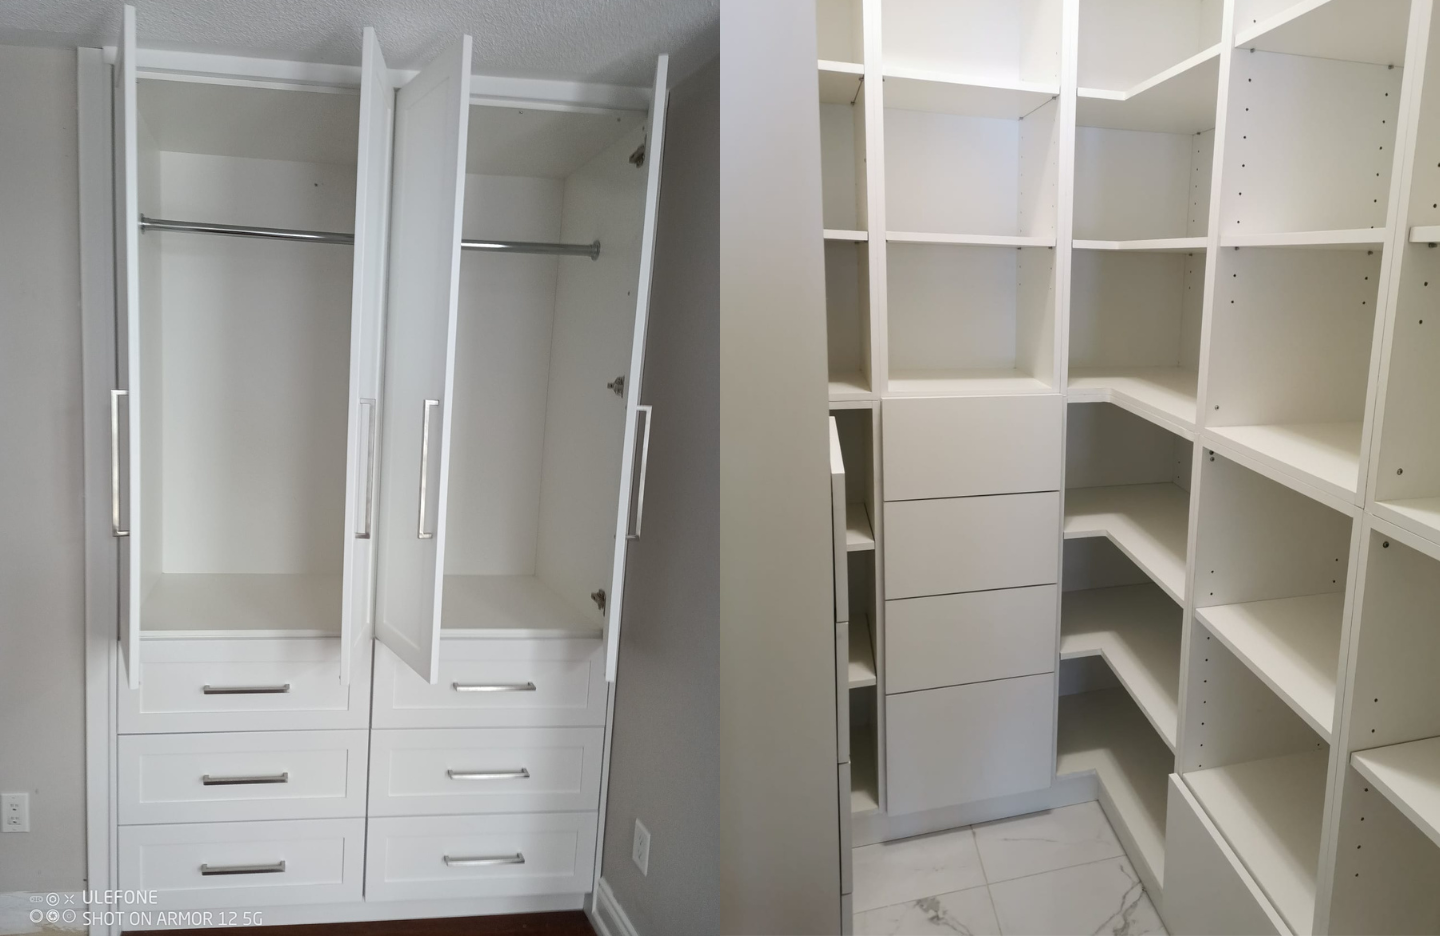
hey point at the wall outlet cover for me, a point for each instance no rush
(640, 851)
(15, 813)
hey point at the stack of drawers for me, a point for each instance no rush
(972, 546)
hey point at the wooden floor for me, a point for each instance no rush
(566, 923)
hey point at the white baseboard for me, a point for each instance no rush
(606, 914)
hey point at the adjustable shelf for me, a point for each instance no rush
(1370, 31)
(852, 237)
(1326, 455)
(1147, 522)
(862, 652)
(840, 82)
(970, 240)
(859, 536)
(1151, 245)
(1180, 99)
(181, 604)
(1409, 777)
(1373, 238)
(1425, 234)
(942, 93)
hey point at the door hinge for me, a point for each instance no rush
(617, 385)
(598, 596)
(637, 158)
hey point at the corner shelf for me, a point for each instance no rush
(944, 93)
(1180, 99)
(1347, 239)
(1326, 455)
(839, 81)
(1148, 522)
(1408, 775)
(1348, 30)
(859, 534)
(1136, 629)
(862, 653)
(1292, 644)
(1153, 244)
(1163, 395)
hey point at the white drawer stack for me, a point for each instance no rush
(487, 783)
(972, 521)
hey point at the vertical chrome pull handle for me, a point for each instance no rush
(644, 465)
(425, 464)
(115, 396)
(366, 520)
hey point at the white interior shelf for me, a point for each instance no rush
(1148, 522)
(1136, 629)
(1425, 234)
(509, 606)
(1370, 31)
(1152, 244)
(214, 604)
(970, 240)
(862, 652)
(1420, 514)
(1292, 644)
(1409, 777)
(1163, 395)
(942, 93)
(1180, 99)
(977, 382)
(1270, 812)
(849, 386)
(1324, 454)
(840, 81)
(859, 534)
(1372, 238)
(839, 234)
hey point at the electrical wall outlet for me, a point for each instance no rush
(640, 851)
(15, 813)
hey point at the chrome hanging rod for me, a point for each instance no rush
(329, 237)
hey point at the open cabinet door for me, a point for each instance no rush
(125, 398)
(427, 204)
(629, 517)
(367, 301)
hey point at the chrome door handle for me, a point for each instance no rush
(115, 396)
(275, 868)
(481, 860)
(644, 465)
(208, 780)
(425, 464)
(521, 774)
(245, 690)
(369, 469)
(493, 687)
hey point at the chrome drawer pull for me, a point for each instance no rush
(493, 687)
(245, 690)
(483, 860)
(275, 868)
(208, 780)
(521, 774)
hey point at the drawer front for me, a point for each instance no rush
(448, 771)
(480, 856)
(225, 865)
(495, 683)
(944, 747)
(968, 446)
(952, 639)
(245, 685)
(938, 547)
(241, 776)
(1207, 889)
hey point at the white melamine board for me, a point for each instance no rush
(1292, 644)
(1103, 731)
(840, 82)
(1324, 454)
(210, 602)
(842, 164)
(952, 639)
(838, 534)
(978, 382)
(1146, 521)
(1311, 144)
(129, 375)
(1425, 234)
(1270, 813)
(1371, 31)
(859, 537)
(1180, 99)
(838, 30)
(1368, 239)
(1409, 776)
(944, 93)
(1136, 628)
(1125, 43)
(1163, 395)
(510, 606)
(1137, 185)
(837, 234)
(938, 547)
(540, 142)
(842, 696)
(847, 314)
(146, 408)
(960, 447)
(997, 40)
(1154, 244)
(861, 663)
(969, 240)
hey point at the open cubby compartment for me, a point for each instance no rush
(840, 31)
(1128, 480)
(1135, 332)
(1101, 729)
(1109, 608)
(991, 42)
(1291, 333)
(1260, 773)
(847, 319)
(1125, 43)
(863, 623)
(1271, 574)
(864, 749)
(1309, 147)
(842, 155)
(856, 428)
(244, 358)
(536, 435)
(960, 171)
(1138, 185)
(971, 319)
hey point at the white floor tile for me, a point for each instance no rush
(912, 869)
(1103, 897)
(968, 912)
(1045, 841)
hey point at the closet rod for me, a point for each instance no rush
(329, 237)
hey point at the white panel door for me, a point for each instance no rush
(124, 402)
(367, 302)
(629, 517)
(427, 203)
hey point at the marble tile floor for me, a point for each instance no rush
(1056, 873)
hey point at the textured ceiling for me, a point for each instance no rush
(610, 41)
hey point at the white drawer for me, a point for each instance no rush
(480, 856)
(448, 771)
(212, 866)
(1207, 889)
(964, 446)
(200, 685)
(938, 547)
(495, 683)
(241, 775)
(952, 639)
(944, 747)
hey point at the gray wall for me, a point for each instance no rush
(779, 816)
(664, 767)
(42, 679)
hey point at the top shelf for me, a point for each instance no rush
(1180, 99)
(1372, 31)
(944, 93)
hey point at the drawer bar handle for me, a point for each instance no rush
(275, 868)
(484, 860)
(493, 687)
(208, 780)
(521, 774)
(246, 690)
